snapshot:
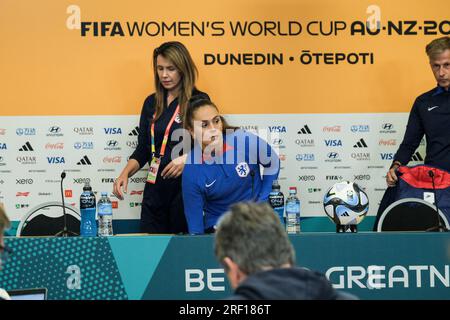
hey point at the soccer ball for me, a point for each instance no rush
(346, 203)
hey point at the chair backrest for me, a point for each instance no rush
(47, 219)
(410, 214)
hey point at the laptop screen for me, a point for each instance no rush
(28, 294)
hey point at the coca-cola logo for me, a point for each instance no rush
(58, 145)
(332, 129)
(115, 159)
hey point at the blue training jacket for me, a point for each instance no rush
(211, 186)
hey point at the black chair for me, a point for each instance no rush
(410, 214)
(47, 219)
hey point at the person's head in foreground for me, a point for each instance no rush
(259, 259)
(4, 225)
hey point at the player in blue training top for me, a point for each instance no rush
(222, 168)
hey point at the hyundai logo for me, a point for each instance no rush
(332, 155)
(112, 143)
(387, 126)
(277, 142)
(54, 129)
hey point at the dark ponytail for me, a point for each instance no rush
(196, 103)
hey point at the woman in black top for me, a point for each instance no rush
(162, 205)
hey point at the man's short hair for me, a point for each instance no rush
(437, 46)
(4, 221)
(252, 236)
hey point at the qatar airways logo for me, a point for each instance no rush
(84, 131)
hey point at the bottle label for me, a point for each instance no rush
(104, 209)
(88, 226)
(276, 200)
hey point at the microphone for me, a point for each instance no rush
(64, 232)
(439, 226)
(252, 174)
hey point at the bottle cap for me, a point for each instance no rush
(292, 189)
(87, 186)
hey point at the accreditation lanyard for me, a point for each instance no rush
(166, 134)
(154, 164)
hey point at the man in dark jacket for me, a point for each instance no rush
(259, 258)
(430, 116)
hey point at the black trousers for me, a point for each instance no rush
(162, 208)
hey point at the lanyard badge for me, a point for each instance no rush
(154, 164)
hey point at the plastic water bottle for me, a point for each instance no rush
(292, 212)
(276, 200)
(105, 216)
(88, 226)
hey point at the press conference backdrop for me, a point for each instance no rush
(328, 84)
(369, 265)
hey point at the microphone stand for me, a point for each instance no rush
(440, 227)
(252, 174)
(64, 232)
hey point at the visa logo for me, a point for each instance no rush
(55, 160)
(333, 143)
(387, 156)
(277, 129)
(3, 146)
(112, 130)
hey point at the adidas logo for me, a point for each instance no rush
(26, 147)
(304, 130)
(417, 157)
(360, 144)
(84, 161)
(134, 132)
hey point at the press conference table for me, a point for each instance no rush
(370, 265)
